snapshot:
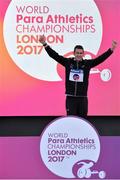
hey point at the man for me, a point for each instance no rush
(77, 75)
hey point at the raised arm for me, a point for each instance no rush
(53, 54)
(103, 57)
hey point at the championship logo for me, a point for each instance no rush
(26, 20)
(70, 147)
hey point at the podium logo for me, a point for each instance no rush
(64, 28)
(69, 147)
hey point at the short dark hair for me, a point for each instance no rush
(78, 47)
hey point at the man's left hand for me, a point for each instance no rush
(114, 45)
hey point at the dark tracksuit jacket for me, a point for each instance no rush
(74, 88)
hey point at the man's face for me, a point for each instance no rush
(79, 53)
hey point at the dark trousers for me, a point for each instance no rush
(77, 106)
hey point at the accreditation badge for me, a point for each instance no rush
(76, 75)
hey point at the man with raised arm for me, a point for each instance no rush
(77, 72)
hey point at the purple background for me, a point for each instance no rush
(20, 158)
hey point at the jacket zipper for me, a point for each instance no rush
(75, 92)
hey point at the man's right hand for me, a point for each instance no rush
(42, 39)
